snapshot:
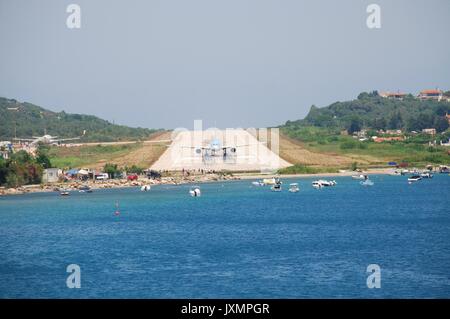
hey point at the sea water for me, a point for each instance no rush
(235, 241)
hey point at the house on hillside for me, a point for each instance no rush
(393, 95)
(388, 139)
(394, 132)
(6, 149)
(431, 131)
(431, 95)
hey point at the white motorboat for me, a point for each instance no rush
(367, 182)
(327, 183)
(258, 183)
(145, 188)
(361, 176)
(195, 191)
(414, 178)
(293, 188)
(426, 175)
(64, 192)
(85, 189)
(317, 185)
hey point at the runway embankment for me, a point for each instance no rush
(190, 150)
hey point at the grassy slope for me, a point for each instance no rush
(96, 156)
(369, 153)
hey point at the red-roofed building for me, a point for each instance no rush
(431, 95)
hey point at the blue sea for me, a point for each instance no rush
(236, 241)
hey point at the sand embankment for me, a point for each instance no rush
(190, 149)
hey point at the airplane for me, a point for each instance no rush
(216, 149)
(48, 139)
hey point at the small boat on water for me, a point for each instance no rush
(426, 175)
(271, 181)
(323, 183)
(327, 183)
(361, 176)
(258, 183)
(195, 191)
(317, 185)
(276, 187)
(366, 182)
(84, 189)
(145, 188)
(293, 188)
(414, 178)
(64, 192)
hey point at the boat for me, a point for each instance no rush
(327, 183)
(293, 188)
(64, 192)
(426, 175)
(84, 189)
(195, 191)
(366, 182)
(317, 185)
(414, 178)
(145, 188)
(360, 176)
(258, 183)
(271, 181)
(276, 187)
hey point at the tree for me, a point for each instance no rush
(441, 124)
(354, 125)
(395, 121)
(42, 156)
(111, 170)
(134, 170)
(3, 171)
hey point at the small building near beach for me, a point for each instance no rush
(51, 175)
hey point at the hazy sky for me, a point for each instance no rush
(232, 63)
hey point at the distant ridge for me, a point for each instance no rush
(33, 120)
(370, 110)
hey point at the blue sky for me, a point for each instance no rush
(233, 63)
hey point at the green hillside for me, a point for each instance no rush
(370, 110)
(324, 130)
(33, 120)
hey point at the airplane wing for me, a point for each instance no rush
(65, 139)
(242, 145)
(197, 147)
(24, 139)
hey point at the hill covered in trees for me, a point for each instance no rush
(32, 120)
(372, 111)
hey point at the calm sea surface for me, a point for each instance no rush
(237, 240)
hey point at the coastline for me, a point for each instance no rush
(194, 179)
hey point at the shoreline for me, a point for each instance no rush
(194, 179)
